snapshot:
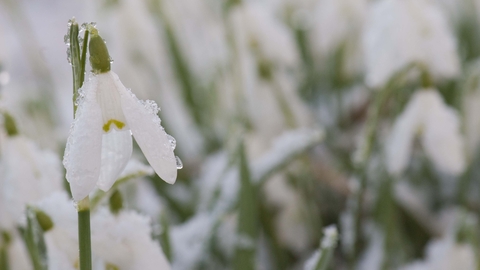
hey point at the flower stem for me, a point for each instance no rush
(363, 156)
(78, 60)
(84, 240)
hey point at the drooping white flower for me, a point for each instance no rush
(471, 110)
(27, 174)
(289, 223)
(439, 125)
(100, 143)
(122, 240)
(401, 32)
(445, 254)
(335, 22)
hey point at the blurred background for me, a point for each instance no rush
(289, 116)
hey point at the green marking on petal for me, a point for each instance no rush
(117, 123)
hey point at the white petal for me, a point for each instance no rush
(149, 134)
(109, 100)
(400, 32)
(82, 157)
(399, 144)
(116, 151)
(442, 140)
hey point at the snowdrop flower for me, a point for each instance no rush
(471, 110)
(335, 22)
(27, 174)
(122, 241)
(100, 143)
(289, 223)
(401, 32)
(445, 254)
(199, 23)
(426, 113)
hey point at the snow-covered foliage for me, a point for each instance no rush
(305, 134)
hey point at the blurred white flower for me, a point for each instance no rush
(122, 240)
(256, 28)
(290, 222)
(439, 126)
(337, 23)
(27, 174)
(401, 32)
(471, 110)
(446, 254)
(18, 255)
(200, 31)
(263, 82)
(100, 143)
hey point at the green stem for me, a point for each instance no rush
(78, 70)
(83, 59)
(367, 146)
(84, 240)
(4, 258)
(75, 61)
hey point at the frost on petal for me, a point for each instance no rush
(442, 140)
(125, 240)
(27, 174)
(116, 151)
(82, 157)
(440, 130)
(151, 137)
(62, 239)
(399, 143)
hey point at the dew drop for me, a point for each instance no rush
(179, 163)
(173, 142)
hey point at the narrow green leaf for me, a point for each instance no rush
(33, 237)
(327, 248)
(75, 61)
(165, 236)
(4, 263)
(247, 218)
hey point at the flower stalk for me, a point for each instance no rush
(84, 238)
(78, 60)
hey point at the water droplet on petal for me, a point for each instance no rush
(179, 163)
(173, 142)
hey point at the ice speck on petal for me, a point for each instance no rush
(116, 151)
(82, 158)
(149, 134)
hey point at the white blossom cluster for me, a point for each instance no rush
(290, 119)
